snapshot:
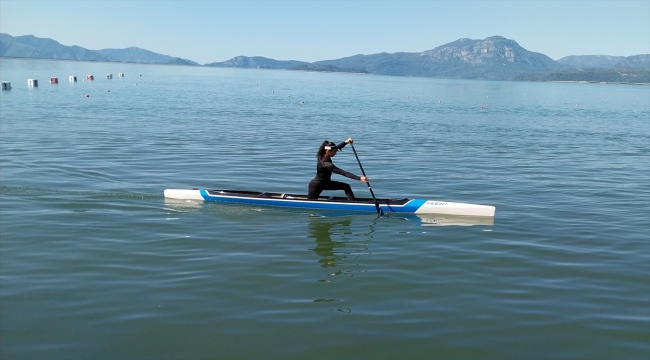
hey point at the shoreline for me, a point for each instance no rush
(317, 71)
(595, 82)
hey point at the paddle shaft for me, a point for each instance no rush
(379, 211)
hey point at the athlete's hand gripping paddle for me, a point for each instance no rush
(379, 210)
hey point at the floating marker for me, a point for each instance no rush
(6, 85)
(72, 78)
(32, 82)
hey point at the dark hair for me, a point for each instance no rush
(321, 149)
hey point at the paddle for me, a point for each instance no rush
(379, 210)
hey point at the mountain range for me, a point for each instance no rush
(29, 46)
(493, 58)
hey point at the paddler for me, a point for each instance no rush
(325, 168)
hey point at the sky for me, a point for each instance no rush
(208, 31)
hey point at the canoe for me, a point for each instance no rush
(402, 205)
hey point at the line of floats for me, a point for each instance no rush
(6, 85)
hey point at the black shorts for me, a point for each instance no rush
(316, 187)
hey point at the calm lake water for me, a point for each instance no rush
(96, 264)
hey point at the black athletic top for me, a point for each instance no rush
(325, 168)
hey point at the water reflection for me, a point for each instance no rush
(450, 220)
(183, 206)
(339, 244)
(336, 242)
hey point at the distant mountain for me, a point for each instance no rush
(493, 58)
(606, 61)
(257, 62)
(401, 64)
(137, 55)
(29, 46)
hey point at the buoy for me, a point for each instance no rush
(87, 95)
(302, 102)
(108, 91)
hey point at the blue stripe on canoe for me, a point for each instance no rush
(409, 207)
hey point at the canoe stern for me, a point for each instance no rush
(183, 194)
(452, 208)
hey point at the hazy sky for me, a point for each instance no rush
(209, 31)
